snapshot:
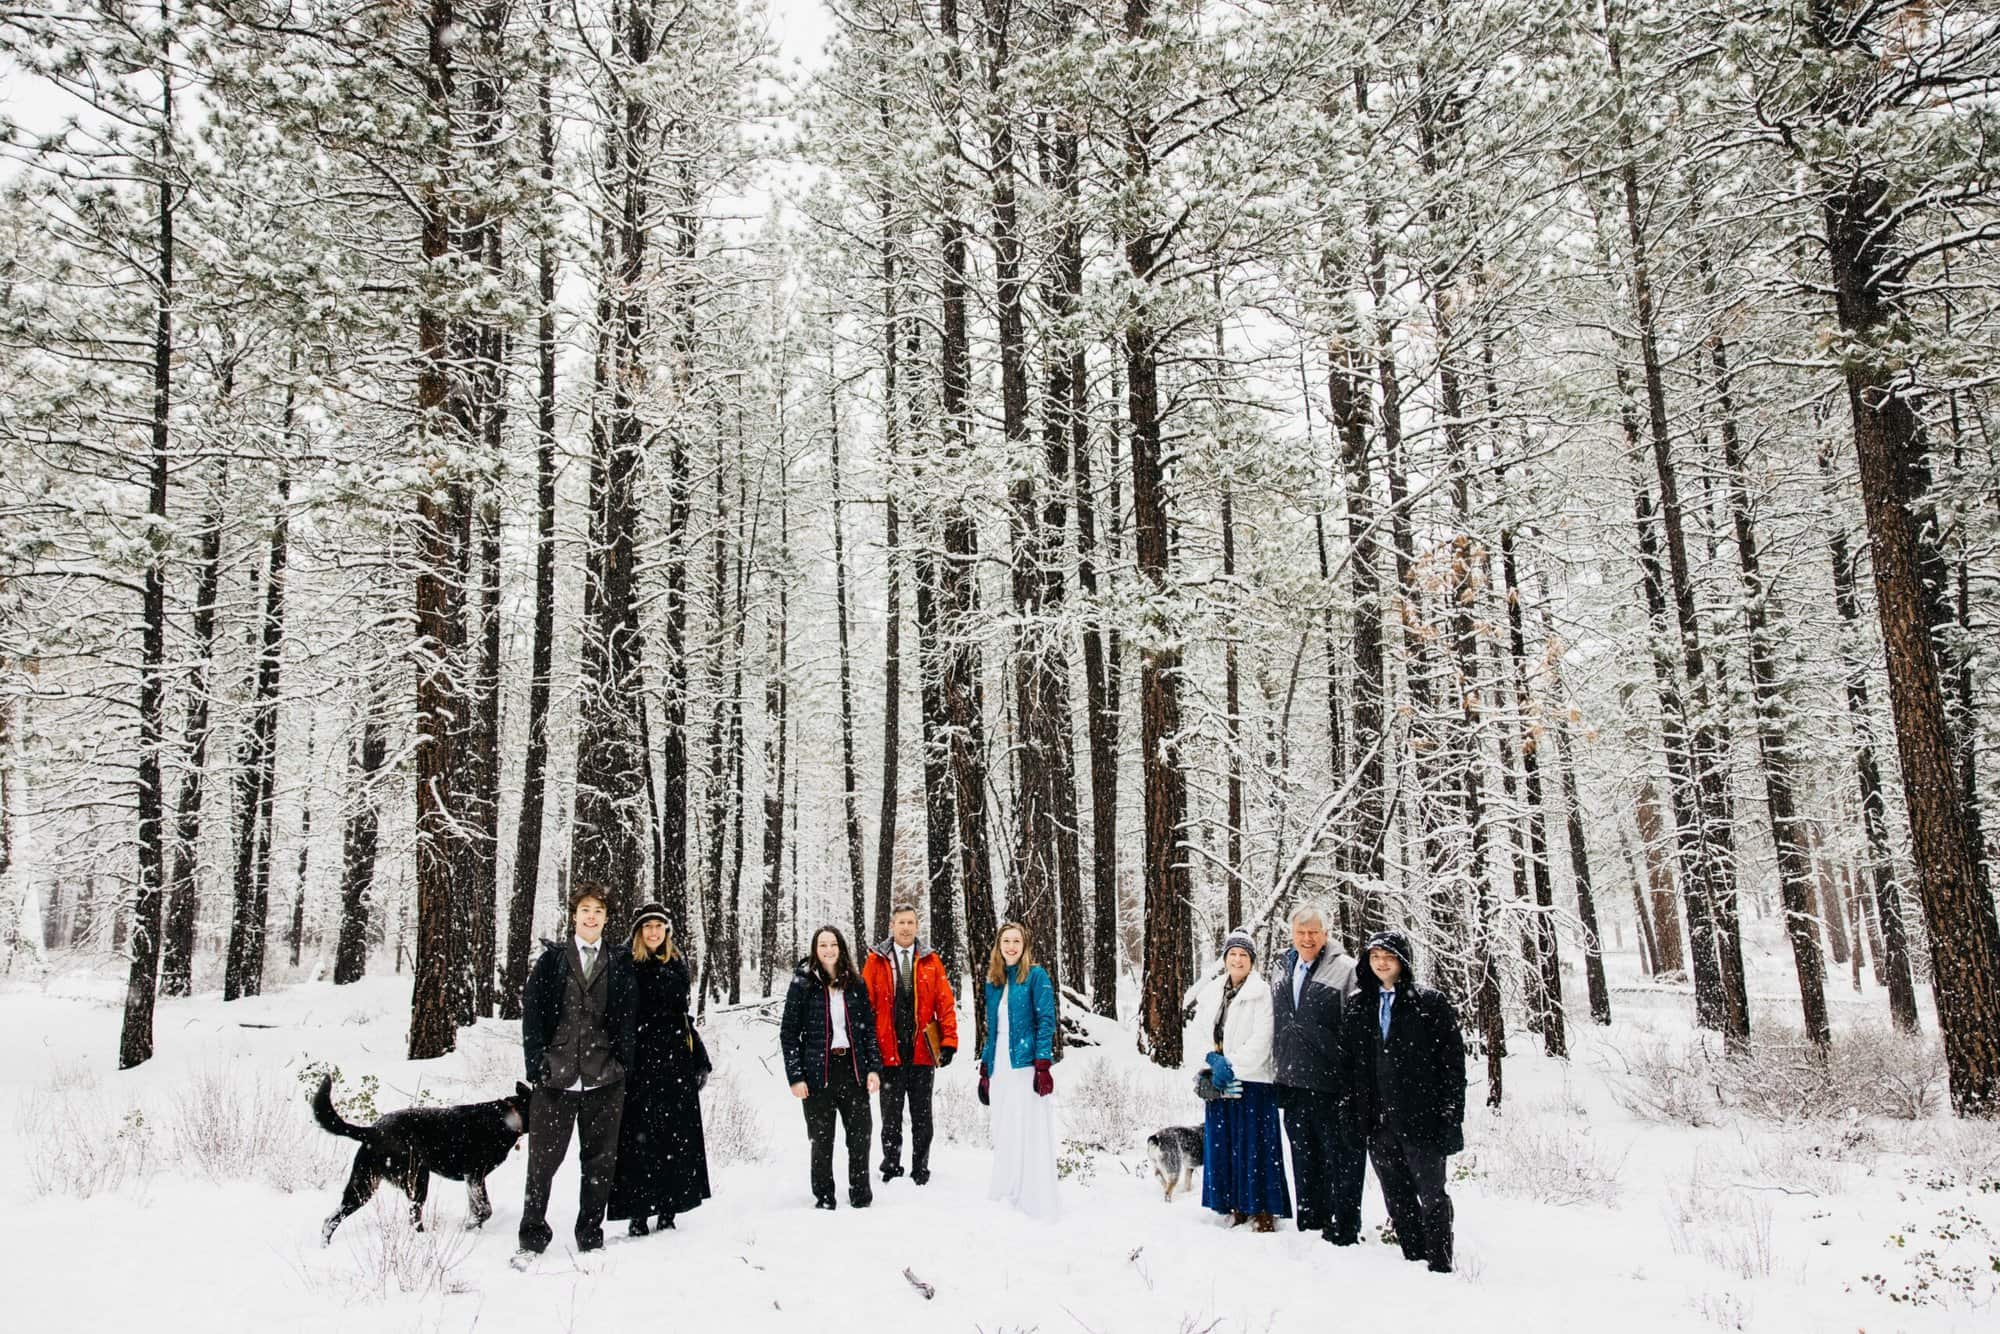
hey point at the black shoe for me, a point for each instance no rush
(534, 1243)
(823, 1202)
(1341, 1238)
(920, 1176)
(890, 1171)
(860, 1199)
(666, 1222)
(1440, 1266)
(637, 1228)
(593, 1241)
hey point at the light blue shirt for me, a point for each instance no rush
(1387, 1002)
(1299, 981)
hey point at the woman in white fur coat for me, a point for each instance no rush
(1243, 1156)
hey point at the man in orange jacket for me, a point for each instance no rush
(916, 1026)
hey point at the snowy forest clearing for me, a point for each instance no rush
(189, 1193)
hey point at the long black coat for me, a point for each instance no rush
(802, 1035)
(546, 992)
(662, 1156)
(1419, 1088)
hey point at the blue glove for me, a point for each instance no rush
(1219, 1070)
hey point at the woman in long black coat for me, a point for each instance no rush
(662, 1158)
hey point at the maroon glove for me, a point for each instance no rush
(1045, 1083)
(985, 1079)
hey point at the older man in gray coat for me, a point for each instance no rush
(1310, 984)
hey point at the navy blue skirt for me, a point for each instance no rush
(1243, 1155)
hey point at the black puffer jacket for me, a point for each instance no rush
(1417, 1087)
(803, 1034)
(1305, 1041)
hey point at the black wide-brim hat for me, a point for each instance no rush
(649, 912)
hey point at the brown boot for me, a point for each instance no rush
(1263, 1223)
(1238, 1218)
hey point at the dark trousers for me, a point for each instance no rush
(1412, 1180)
(912, 1084)
(1326, 1175)
(552, 1113)
(848, 1098)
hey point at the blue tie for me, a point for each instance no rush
(1388, 998)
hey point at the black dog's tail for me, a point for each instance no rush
(329, 1119)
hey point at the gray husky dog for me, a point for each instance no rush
(1175, 1153)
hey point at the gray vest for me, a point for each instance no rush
(581, 1044)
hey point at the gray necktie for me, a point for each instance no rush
(589, 962)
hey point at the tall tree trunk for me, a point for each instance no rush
(957, 575)
(744, 556)
(135, 1039)
(1889, 441)
(940, 813)
(432, 1030)
(1670, 954)
(1169, 926)
(535, 758)
(183, 900)
(295, 938)
(715, 863)
(359, 840)
(244, 972)
(1232, 704)
(1554, 1039)
(1099, 665)
(1714, 863)
(1347, 399)
(1788, 831)
(1887, 893)
(1064, 429)
(850, 786)
(776, 691)
(1562, 756)
(892, 560)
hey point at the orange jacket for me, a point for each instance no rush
(934, 1000)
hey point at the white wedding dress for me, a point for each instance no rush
(1024, 1133)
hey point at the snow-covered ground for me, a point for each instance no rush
(188, 1194)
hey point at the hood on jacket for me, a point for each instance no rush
(1398, 944)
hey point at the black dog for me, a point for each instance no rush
(462, 1143)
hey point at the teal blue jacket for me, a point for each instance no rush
(1031, 1020)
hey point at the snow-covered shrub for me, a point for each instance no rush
(1964, 1154)
(1724, 1228)
(730, 1125)
(956, 1113)
(1795, 1160)
(1115, 1109)
(387, 1255)
(1661, 1079)
(1868, 1072)
(77, 1146)
(230, 1127)
(1552, 1161)
(1724, 1310)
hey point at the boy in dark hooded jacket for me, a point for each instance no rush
(1405, 1087)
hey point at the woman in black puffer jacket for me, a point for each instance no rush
(662, 1156)
(832, 1061)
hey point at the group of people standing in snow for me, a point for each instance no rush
(888, 1027)
(1362, 1065)
(1357, 1062)
(614, 1062)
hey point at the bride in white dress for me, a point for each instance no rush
(1014, 1076)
